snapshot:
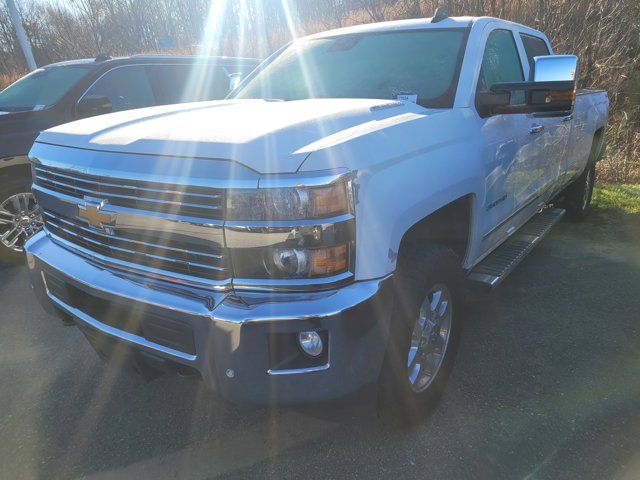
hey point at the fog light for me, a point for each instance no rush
(311, 343)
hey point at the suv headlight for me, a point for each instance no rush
(291, 233)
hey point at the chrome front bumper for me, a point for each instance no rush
(230, 335)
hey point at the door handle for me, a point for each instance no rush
(535, 129)
(567, 118)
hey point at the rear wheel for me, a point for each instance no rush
(20, 218)
(424, 335)
(578, 195)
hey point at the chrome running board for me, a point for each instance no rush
(491, 271)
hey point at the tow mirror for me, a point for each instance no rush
(555, 68)
(93, 105)
(489, 103)
(552, 91)
(234, 81)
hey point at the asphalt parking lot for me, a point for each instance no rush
(546, 385)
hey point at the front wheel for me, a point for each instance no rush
(20, 218)
(424, 333)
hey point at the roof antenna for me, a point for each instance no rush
(439, 16)
(102, 57)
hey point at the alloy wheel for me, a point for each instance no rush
(430, 338)
(20, 219)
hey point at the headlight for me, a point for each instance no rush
(290, 234)
(290, 203)
(309, 262)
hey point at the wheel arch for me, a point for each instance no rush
(598, 146)
(448, 225)
(15, 167)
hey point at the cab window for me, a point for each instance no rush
(501, 63)
(534, 47)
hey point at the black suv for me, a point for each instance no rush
(67, 91)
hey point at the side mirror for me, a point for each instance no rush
(555, 68)
(552, 91)
(93, 105)
(234, 80)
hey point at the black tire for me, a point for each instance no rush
(420, 270)
(578, 195)
(10, 186)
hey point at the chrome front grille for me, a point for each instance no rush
(153, 251)
(171, 199)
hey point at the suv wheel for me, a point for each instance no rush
(424, 333)
(20, 218)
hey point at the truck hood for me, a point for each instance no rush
(266, 136)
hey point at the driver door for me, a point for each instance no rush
(512, 162)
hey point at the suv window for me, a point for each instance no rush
(534, 47)
(501, 63)
(126, 88)
(188, 83)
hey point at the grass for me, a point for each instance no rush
(8, 79)
(620, 198)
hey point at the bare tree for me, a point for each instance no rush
(605, 34)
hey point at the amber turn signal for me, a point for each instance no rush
(325, 261)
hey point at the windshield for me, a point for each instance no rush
(420, 66)
(41, 88)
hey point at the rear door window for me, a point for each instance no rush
(188, 83)
(126, 88)
(534, 47)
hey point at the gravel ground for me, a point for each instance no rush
(546, 385)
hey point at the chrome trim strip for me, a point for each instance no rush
(82, 185)
(138, 269)
(186, 264)
(116, 185)
(120, 334)
(129, 197)
(136, 218)
(295, 371)
(270, 224)
(129, 240)
(51, 222)
(74, 268)
(292, 284)
(251, 234)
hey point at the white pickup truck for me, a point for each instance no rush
(313, 233)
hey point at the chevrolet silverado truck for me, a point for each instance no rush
(75, 89)
(312, 235)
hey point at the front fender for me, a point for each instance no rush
(404, 173)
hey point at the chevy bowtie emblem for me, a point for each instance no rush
(94, 212)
